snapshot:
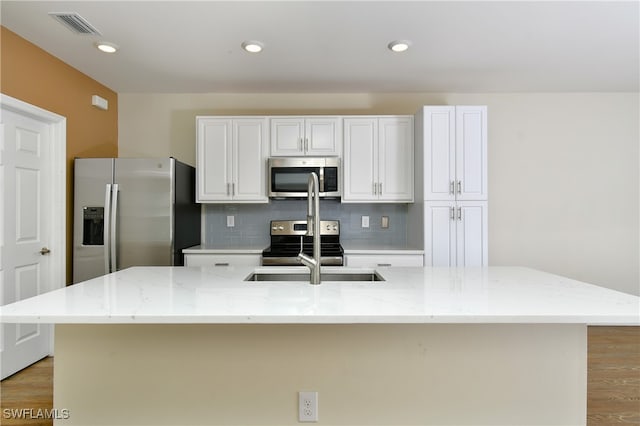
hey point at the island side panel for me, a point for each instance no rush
(364, 374)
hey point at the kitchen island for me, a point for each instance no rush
(172, 345)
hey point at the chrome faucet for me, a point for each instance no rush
(313, 229)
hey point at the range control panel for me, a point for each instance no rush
(299, 227)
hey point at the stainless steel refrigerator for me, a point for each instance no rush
(132, 212)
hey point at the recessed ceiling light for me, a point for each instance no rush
(252, 46)
(399, 45)
(107, 47)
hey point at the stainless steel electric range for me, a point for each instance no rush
(288, 237)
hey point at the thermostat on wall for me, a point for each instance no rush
(99, 102)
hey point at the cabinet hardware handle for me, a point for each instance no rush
(306, 144)
(233, 189)
(321, 179)
(452, 213)
(107, 229)
(114, 228)
(221, 264)
(380, 188)
(452, 187)
(375, 188)
(44, 250)
(459, 187)
(384, 264)
(459, 213)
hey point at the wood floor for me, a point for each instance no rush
(613, 382)
(31, 388)
(613, 376)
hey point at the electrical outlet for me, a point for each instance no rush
(365, 221)
(385, 222)
(231, 221)
(307, 406)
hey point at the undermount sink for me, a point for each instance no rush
(360, 276)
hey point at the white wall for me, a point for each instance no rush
(563, 167)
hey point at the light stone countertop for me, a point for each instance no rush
(218, 295)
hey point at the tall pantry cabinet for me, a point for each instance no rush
(451, 191)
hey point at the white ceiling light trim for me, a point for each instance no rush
(399, 45)
(252, 46)
(107, 47)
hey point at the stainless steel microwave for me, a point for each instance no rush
(288, 176)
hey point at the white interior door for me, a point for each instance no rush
(31, 240)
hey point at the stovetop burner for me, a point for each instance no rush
(288, 236)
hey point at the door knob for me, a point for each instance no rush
(44, 251)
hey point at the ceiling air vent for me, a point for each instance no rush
(75, 23)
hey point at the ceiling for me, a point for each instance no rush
(341, 46)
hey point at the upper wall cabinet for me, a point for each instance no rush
(300, 136)
(455, 152)
(231, 159)
(378, 159)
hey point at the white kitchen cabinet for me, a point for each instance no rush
(231, 159)
(306, 136)
(451, 170)
(378, 159)
(222, 260)
(380, 260)
(455, 233)
(455, 152)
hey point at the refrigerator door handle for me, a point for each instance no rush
(107, 227)
(114, 227)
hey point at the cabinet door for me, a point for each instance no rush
(249, 165)
(360, 157)
(471, 153)
(395, 161)
(439, 152)
(287, 136)
(471, 234)
(323, 136)
(440, 233)
(214, 156)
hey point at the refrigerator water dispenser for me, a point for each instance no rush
(93, 226)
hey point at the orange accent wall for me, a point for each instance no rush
(32, 75)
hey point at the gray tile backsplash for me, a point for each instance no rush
(252, 222)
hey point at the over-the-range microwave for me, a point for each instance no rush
(288, 176)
